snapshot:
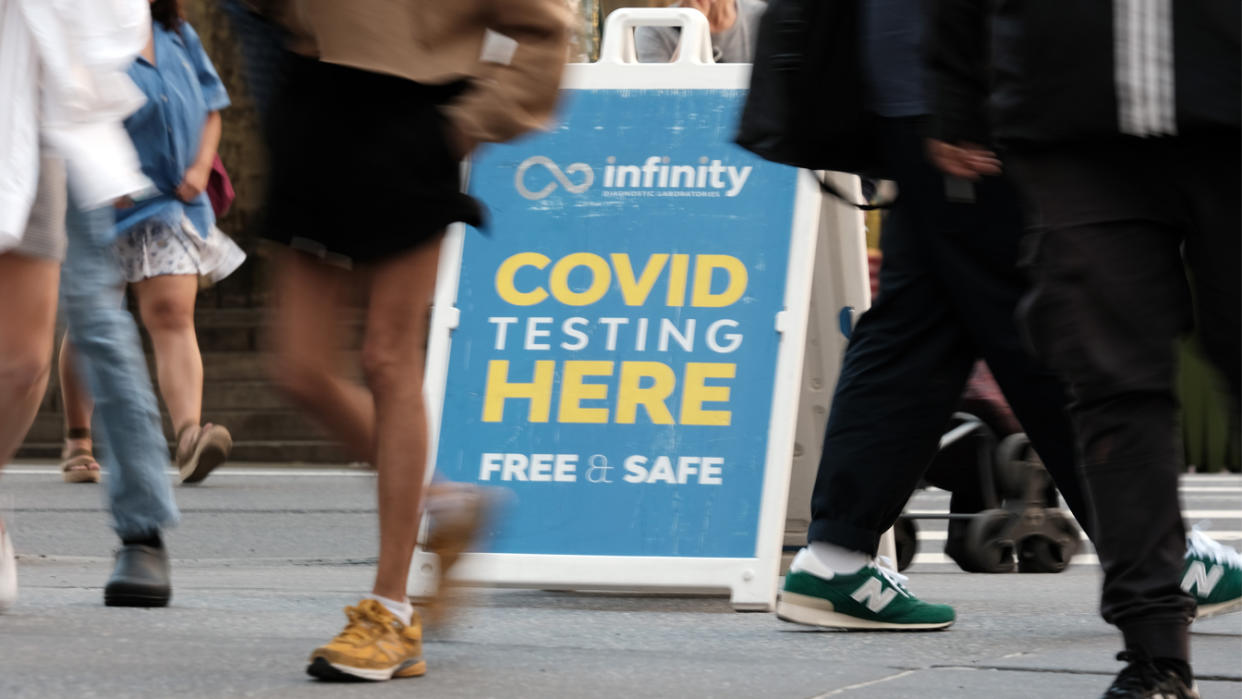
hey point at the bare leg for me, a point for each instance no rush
(309, 302)
(27, 334)
(78, 404)
(166, 304)
(393, 356)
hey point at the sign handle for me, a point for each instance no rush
(694, 46)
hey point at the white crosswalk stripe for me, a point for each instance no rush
(1212, 500)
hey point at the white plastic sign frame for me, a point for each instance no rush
(750, 581)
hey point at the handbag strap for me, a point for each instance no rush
(828, 188)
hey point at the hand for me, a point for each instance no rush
(123, 203)
(721, 14)
(967, 161)
(194, 183)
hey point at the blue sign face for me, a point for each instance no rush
(616, 354)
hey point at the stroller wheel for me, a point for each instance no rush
(906, 533)
(988, 547)
(1051, 552)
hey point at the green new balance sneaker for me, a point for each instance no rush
(873, 598)
(1212, 575)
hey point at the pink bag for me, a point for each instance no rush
(220, 188)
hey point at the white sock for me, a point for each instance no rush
(402, 609)
(825, 560)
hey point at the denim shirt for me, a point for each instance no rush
(182, 87)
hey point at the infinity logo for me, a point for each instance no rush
(560, 176)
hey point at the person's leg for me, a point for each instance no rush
(1109, 302)
(903, 371)
(309, 304)
(78, 463)
(106, 338)
(393, 357)
(28, 276)
(901, 378)
(980, 266)
(27, 332)
(166, 304)
(27, 322)
(902, 375)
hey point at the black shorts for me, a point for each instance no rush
(360, 168)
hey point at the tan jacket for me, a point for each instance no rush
(437, 41)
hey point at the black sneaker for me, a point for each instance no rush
(140, 579)
(1145, 678)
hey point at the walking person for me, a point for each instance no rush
(1124, 135)
(950, 286)
(65, 148)
(167, 243)
(377, 104)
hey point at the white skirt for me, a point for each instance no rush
(153, 249)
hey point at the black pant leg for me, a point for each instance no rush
(1108, 304)
(979, 256)
(902, 376)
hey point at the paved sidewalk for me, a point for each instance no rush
(264, 564)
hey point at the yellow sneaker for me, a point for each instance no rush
(375, 646)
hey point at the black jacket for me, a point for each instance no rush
(1051, 71)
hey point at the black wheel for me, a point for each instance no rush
(1012, 470)
(906, 532)
(1040, 553)
(988, 547)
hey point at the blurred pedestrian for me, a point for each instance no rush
(377, 104)
(734, 26)
(949, 287)
(167, 243)
(61, 72)
(1123, 131)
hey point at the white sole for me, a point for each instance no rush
(813, 611)
(373, 675)
(8, 572)
(1207, 611)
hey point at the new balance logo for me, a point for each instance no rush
(873, 595)
(1198, 577)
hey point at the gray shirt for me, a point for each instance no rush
(734, 45)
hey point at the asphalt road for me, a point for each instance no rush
(266, 558)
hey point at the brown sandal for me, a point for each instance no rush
(209, 449)
(79, 465)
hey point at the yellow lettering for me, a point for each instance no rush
(696, 392)
(631, 393)
(704, 267)
(677, 274)
(601, 278)
(636, 292)
(574, 391)
(499, 389)
(508, 270)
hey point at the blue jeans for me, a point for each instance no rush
(111, 361)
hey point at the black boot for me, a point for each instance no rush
(141, 577)
(1157, 678)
